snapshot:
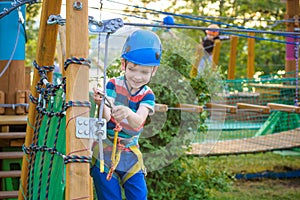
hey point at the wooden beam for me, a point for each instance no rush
(44, 57)
(190, 108)
(10, 174)
(254, 108)
(78, 180)
(228, 108)
(161, 107)
(232, 59)
(284, 107)
(273, 86)
(12, 135)
(13, 119)
(11, 155)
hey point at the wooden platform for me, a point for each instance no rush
(277, 141)
(13, 119)
(8, 194)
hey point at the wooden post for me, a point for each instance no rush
(44, 57)
(2, 100)
(216, 53)
(232, 60)
(9, 85)
(78, 180)
(61, 48)
(251, 56)
(292, 12)
(198, 55)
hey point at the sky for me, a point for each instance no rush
(112, 10)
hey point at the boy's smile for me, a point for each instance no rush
(137, 75)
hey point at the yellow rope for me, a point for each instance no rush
(114, 158)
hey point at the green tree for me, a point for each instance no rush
(256, 14)
(32, 28)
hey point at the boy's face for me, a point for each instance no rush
(137, 75)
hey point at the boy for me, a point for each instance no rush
(132, 101)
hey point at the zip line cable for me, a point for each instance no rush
(119, 11)
(281, 33)
(15, 5)
(181, 15)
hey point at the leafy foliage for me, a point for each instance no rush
(32, 12)
(256, 14)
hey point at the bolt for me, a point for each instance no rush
(77, 5)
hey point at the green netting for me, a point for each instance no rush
(46, 178)
(247, 123)
(260, 91)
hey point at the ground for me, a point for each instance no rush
(263, 189)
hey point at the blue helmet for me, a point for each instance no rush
(142, 47)
(169, 20)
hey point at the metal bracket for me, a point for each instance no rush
(56, 19)
(105, 26)
(90, 128)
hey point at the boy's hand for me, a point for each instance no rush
(120, 113)
(98, 95)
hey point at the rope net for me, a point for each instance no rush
(46, 153)
(241, 124)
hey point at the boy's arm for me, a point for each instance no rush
(135, 120)
(106, 110)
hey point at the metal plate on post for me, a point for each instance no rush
(105, 26)
(90, 128)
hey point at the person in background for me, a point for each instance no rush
(128, 102)
(206, 60)
(212, 34)
(208, 43)
(167, 32)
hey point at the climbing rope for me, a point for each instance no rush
(49, 113)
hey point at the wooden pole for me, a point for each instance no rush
(61, 48)
(44, 57)
(198, 55)
(251, 56)
(216, 53)
(292, 12)
(232, 60)
(78, 180)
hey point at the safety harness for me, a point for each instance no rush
(117, 147)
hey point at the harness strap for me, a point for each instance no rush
(139, 165)
(115, 158)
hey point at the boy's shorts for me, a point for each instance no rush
(134, 188)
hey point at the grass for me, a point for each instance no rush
(266, 189)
